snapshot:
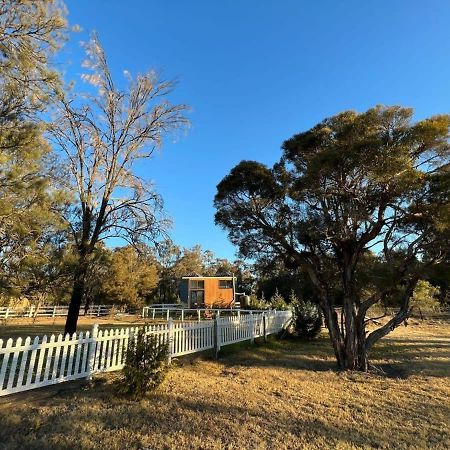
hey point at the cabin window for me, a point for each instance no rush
(225, 284)
(197, 284)
(197, 299)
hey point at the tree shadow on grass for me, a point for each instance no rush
(119, 423)
(393, 357)
(292, 353)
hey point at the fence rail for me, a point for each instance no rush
(30, 364)
(179, 313)
(50, 311)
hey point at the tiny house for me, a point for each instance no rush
(207, 292)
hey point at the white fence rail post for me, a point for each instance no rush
(217, 335)
(92, 351)
(170, 340)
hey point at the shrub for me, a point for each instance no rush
(307, 318)
(425, 297)
(278, 302)
(146, 364)
(258, 303)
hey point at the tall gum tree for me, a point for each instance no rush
(351, 185)
(103, 136)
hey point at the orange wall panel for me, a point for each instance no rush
(215, 296)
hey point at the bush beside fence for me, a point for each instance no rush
(30, 364)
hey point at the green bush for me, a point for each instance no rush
(277, 302)
(258, 303)
(425, 297)
(307, 319)
(146, 364)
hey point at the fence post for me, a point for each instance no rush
(98, 311)
(170, 350)
(54, 311)
(168, 314)
(252, 328)
(182, 315)
(153, 314)
(199, 315)
(217, 335)
(30, 314)
(92, 351)
(264, 326)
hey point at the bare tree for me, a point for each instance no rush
(103, 136)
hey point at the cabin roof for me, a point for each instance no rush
(202, 278)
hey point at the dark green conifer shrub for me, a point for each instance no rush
(146, 364)
(307, 319)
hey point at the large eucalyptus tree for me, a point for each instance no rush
(353, 184)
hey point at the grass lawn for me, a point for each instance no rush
(281, 395)
(24, 327)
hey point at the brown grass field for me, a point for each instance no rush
(24, 327)
(279, 395)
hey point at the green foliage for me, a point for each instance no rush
(307, 318)
(30, 33)
(273, 277)
(278, 302)
(130, 278)
(425, 297)
(353, 183)
(146, 364)
(258, 303)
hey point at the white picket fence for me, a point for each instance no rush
(180, 313)
(7, 312)
(30, 364)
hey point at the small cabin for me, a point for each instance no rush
(208, 292)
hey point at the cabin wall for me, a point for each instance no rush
(217, 297)
(213, 295)
(183, 291)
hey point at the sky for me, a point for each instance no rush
(255, 72)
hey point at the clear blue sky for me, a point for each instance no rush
(256, 72)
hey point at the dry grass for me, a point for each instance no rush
(276, 396)
(23, 327)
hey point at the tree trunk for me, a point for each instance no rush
(363, 361)
(351, 351)
(331, 322)
(78, 289)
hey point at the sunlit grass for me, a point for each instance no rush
(279, 395)
(46, 325)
